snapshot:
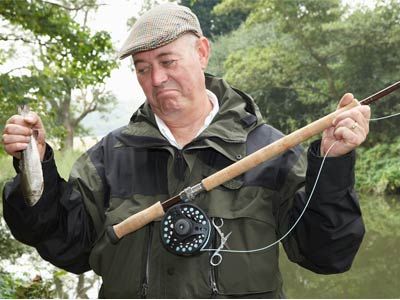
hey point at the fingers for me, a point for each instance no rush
(350, 128)
(360, 114)
(346, 99)
(350, 132)
(18, 131)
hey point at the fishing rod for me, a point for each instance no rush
(158, 210)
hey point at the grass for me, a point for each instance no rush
(6, 169)
(64, 161)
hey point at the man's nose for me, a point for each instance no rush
(158, 76)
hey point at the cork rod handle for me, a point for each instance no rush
(272, 150)
(135, 222)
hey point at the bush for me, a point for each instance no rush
(378, 169)
(11, 288)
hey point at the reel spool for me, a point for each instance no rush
(185, 229)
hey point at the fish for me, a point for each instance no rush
(32, 183)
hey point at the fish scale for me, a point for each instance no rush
(31, 167)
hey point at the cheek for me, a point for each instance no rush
(146, 87)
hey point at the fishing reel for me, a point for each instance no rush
(185, 229)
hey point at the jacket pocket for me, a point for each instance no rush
(122, 266)
(119, 265)
(247, 213)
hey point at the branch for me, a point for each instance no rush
(53, 104)
(34, 41)
(73, 8)
(14, 69)
(15, 38)
(87, 111)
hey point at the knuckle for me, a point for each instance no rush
(4, 138)
(12, 119)
(6, 128)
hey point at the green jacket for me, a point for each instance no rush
(134, 166)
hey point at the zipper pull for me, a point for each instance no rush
(214, 288)
(144, 290)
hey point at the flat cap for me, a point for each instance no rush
(159, 26)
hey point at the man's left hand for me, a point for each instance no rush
(350, 128)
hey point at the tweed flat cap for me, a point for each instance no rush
(159, 26)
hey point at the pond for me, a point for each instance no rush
(376, 270)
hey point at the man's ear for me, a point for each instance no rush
(204, 50)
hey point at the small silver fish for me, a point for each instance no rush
(31, 167)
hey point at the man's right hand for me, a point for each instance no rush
(17, 133)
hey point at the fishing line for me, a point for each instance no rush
(293, 226)
(304, 209)
(385, 117)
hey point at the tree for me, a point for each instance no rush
(66, 58)
(211, 23)
(318, 50)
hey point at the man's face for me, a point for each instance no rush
(172, 76)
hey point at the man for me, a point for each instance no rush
(190, 126)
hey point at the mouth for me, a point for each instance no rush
(165, 92)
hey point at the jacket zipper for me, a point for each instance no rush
(145, 282)
(213, 282)
(213, 271)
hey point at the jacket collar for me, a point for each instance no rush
(236, 106)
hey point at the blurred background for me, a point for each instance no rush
(295, 58)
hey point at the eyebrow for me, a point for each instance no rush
(158, 56)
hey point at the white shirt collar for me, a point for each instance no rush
(168, 134)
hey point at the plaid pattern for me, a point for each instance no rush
(158, 27)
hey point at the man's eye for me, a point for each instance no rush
(142, 70)
(168, 63)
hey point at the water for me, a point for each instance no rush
(376, 270)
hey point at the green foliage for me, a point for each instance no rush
(7, 170)
(10, 249)
(378, 168)
(211, 23)
(12, 288)
(259, 35)
(66, 57)
(65, 160)
(315, 52)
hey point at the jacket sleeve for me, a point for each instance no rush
(329, 233)
(58, 226)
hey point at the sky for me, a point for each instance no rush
(112, 17)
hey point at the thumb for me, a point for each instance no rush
(346, 99)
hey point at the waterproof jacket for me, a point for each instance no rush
(134, 166)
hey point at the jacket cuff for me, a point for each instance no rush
(337, 174)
